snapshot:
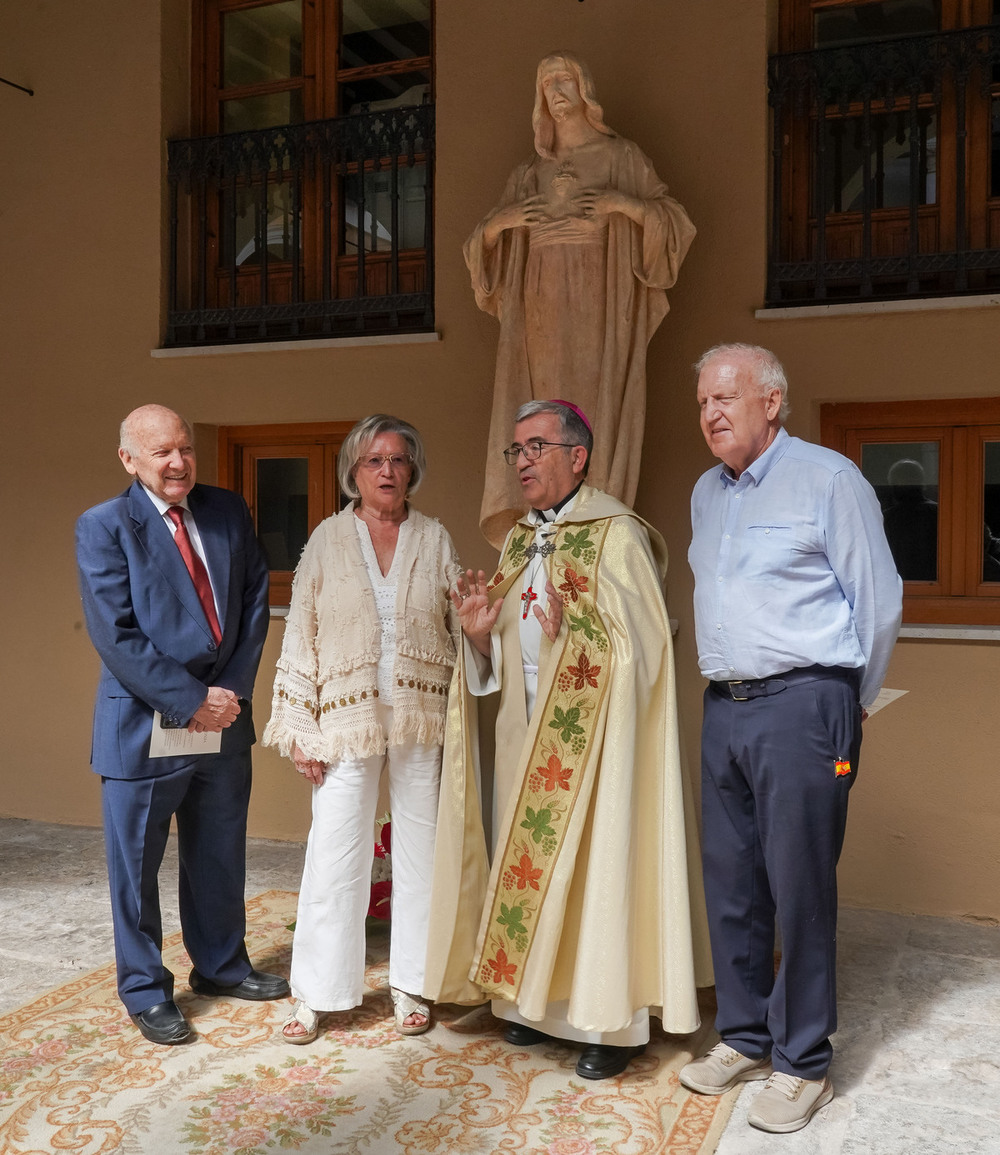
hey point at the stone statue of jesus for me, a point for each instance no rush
(575, 262)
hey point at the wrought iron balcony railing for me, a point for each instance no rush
(886, 169)
(304, 230)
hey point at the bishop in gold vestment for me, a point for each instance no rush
(592, 912)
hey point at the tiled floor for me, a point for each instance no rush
(917, 1067)
(917, 1058)
(55, 913)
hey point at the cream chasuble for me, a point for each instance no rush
(596, 843)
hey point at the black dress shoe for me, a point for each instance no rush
(599, 1061)
(257, 987)
(519, 1035)
(163, 1023)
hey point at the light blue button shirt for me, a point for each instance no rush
(792, 568)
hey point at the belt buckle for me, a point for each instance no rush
(732, 693)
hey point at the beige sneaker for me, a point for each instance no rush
(721, 1069)
(787, 1103)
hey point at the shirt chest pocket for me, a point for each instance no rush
(767, 552)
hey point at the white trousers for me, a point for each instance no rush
(328, 951)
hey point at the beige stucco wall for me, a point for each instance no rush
(81, 306)
(923, 829)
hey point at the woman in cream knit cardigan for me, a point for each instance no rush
(362, 685)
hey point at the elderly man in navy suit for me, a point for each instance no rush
(175, 596)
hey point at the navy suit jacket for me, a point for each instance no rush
(147, 625)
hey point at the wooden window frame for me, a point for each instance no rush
(241, 446)
(936, 221)
(322, 74)
(206, 100)
(320, 269)
(962, 427)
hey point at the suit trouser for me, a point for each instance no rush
(328, 955)
(774, 810)
(209, 797)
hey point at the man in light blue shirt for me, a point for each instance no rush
(797, 606)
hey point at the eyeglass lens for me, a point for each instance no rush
(376, 460)
(532, 450)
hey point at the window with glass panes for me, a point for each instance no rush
(287, 474)
(935, 466)
(887, 147)
(327, 210)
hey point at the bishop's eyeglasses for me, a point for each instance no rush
(532, 450)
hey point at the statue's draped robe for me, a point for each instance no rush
(617, 922)
(577, 303)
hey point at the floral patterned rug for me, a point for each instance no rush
(76, 1076)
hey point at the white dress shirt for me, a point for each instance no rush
(193, 535)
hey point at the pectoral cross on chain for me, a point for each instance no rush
(528, 597)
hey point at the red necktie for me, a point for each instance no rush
(196, 568)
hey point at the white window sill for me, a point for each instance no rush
(952, 633)
(288, 346)
(847, 309)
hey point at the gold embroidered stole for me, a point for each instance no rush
(561, 748)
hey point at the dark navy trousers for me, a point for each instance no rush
(209, 797)
(774, 810)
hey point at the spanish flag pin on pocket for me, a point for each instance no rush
(842, 768)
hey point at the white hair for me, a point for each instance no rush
(766, 370)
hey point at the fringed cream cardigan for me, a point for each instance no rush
(325, 689)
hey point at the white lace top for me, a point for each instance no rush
(384, 588)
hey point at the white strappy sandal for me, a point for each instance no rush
(306, 1017)
(406, 1005)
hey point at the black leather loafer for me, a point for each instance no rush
(257, 987)
(163, 1023)
(603, 1062)
(519, 1035)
